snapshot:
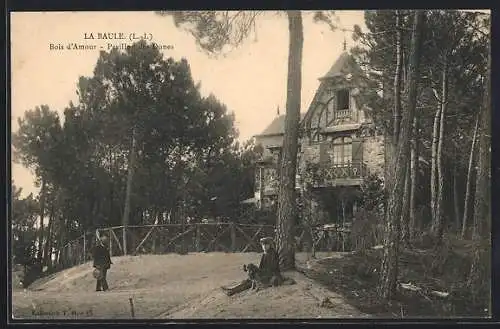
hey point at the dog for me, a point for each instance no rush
(253, 275)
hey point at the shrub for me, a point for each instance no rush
(373, 194)
(367, 229)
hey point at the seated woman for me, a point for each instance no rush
(269, 270)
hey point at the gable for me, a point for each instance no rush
(334, 102)
(327, 100)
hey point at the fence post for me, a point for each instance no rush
(233, 237)
(110, 242)
(198, 235)
(124, 237)
(154, 237)
(84, 247)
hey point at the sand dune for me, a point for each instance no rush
(173, 287)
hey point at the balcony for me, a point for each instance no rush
(343, 114)
(330, 175)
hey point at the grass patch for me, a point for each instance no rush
(356, 276)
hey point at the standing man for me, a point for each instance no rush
(102, 262)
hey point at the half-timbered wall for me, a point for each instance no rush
(334, 104)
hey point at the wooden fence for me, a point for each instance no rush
(197, 237)
(168, 238)
(178, 238)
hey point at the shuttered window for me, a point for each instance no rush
(357, 150)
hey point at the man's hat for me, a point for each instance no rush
(267, 240)
(104, 238)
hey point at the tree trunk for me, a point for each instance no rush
(126, 211)
(388, 175)
(481, 230)
(286, 196)
(397, 81)
(57, 260)
(42, 215)
(48, 241)
(438, 224)
(469, 179)
(456, 203)
(62, 236)
(182, 218)
(414, 153)
(435, 139)
(405, 213)
(399, 163)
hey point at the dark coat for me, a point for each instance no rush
(269, 265)
(101, 257)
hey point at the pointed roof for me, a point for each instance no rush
(277, 126)
(343, 65)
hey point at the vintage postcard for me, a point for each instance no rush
(250, 165)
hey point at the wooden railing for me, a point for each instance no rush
(335, 174)
(166, 238)
(341, 114)
(197, 237)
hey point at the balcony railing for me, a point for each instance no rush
(317, 175)
(321, 175)
(341, 114)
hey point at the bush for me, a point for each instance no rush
(373, 194)
(23, 248)
(367, 229)
(32, 271)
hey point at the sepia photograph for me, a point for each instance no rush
(300, 164)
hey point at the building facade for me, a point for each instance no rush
(338, 148)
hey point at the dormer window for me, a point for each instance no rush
(342, 100)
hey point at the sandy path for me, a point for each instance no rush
(173, 286)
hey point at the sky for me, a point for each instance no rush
(251, 80)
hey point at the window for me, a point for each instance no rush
(342, 100)
(342, 150)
